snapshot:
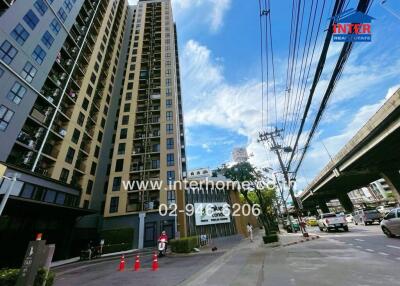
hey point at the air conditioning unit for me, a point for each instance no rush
(74, 50)
(28, 157)
(69, 62)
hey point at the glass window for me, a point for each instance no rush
(170, 159)
(27, 191)
(125, 119)
(168, 103)
(47, 39)
(31, 19)
(5, 117)
(60, 198)
(28, 72)
(96, 151)
(55, 26)
(50, 196)
(7, 52)
(127, 107)
(170, 143)
(81, 118)
(70, 155)
(68, 5)
(170, 197)
(64, 175)
(168, 82)
(38, 54)
(40, 6)
(16, 93)
(169, 116)
(168, 92)
(119, 165)
(61, 13)
(89, 187)
(20, 34)
(116, 184)
(170, 176)
(114, 204)
(123, 134)
(121, 148)
(93, 168)
(75, 136)
(170, 128)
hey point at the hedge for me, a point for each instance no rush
(271, 238)
(116, 240)
(9, 277)
(184, 245)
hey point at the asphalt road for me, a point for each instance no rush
(366, 238)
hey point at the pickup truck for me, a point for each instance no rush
(328, 221)
(367, 216)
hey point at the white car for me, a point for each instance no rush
(328, 221)
(391, 223)
(349, 218)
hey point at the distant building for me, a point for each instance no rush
(240, 155)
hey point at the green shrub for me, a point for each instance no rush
(271, 238)
(8, 277)
(184, 245)
(41, 277)
(116, 240)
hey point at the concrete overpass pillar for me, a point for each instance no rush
(323, 206)
(392, 178)
(346, 203)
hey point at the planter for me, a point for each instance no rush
(273, 237)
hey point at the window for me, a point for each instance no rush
(31, 19)
(61, 13)
(27, 191)
(55, 26)
(170, 176)
(47, 39)
(7, 52)
(93, 78)
(119, 165)
(86, 204)
(89, 187)
(81, 118)
(170, 159)
(168, 92)
(168, 82)
(121, 148)
(114, 204)
(169, 116)
(85, 103)
(116, 184)
(125, 119)
(50, 196)
(70, 155)
(93, 168)
(38, 54)
(5, 117)
(123, 134)
(16, 93)
(68, 5)
(76, 135)
(40, 6)
(100, 136)
(20, 34)
(170, 143)
(97, 151)
(170, 197)
(170, 128)
(127, 107)
(28, 72)
(64, 175)
(168, 103)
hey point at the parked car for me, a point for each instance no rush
(312, 221)
(328, 221)
(384, 209)
(367, 216)
(349, 218)
(293, 227)
(391, 223)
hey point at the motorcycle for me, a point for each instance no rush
(162, 247)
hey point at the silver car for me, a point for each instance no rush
(391, 223)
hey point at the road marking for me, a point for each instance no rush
(398, 258)
(351, 244)
(358, 239)
(393, 246)
(358, 246)
(383, 253)
(370, 250)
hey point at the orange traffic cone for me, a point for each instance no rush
(122, 264)
(155, 262)
(136, 266)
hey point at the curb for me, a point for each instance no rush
(302, 240)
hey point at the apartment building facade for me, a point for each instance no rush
(90, 98)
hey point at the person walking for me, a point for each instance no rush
(250, 231)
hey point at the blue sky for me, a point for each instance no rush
(219, 45)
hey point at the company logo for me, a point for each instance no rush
(352, 26)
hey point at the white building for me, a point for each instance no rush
(240, 155)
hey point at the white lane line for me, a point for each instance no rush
(370, 250)
(383, 253)
(393, 246)
(358, 239)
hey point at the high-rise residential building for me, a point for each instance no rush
(90, 98)
(239, 155)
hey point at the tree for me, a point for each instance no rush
(257, 193)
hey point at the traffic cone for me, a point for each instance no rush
(122, 264)
(136, 266)
(155, 262)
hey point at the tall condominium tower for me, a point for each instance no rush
(90, 97)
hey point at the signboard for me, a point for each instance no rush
(212, 213)
(34, 258)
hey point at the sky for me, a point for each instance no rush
(219, 49)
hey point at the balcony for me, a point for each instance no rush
(41, 114)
